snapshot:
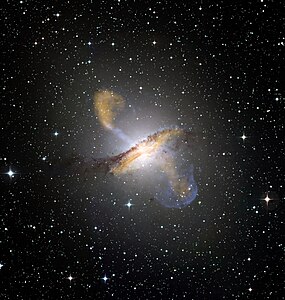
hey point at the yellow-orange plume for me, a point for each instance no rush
(179, 184)
(106, 106)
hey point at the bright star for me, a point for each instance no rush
(70, 278)
(1, 265)
(10, 173)
(267, 199)
(105, 278)
(243, 137)
(154, 42)
(129, 204)
(56, 133)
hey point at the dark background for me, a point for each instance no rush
(215, 68)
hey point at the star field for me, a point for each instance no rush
(213, 69)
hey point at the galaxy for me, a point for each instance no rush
(142, 150)
(159, 148)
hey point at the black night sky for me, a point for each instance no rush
(212, 68)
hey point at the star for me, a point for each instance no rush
(105, 278)
(10, 173)
(267, 199)
(129, 204)
(154, 43)
(250, 289)
(243, 137)
(70, 278)
(56, 133)
(1, 265)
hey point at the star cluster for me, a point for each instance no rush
(214, 69)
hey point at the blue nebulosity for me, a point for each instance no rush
(168, 198)
(122, 136)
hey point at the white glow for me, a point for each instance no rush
(267, 199)
(129, 204)
(10, 173)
